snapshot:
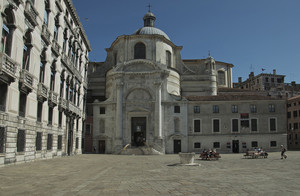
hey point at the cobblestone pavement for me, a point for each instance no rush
(94, 174)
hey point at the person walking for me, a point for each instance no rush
(283, 152)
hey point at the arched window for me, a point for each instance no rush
(62, 80)
(8, 28)
(139, 51)
(26, 50)
(221, 78)
(46, 12)
(168, 59)
(52, 77)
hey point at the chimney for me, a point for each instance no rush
(240, 79)
(251, 75)
(274, 71)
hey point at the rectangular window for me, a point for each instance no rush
(38, 141)
(59, 119)
(271, 108)
(176, 109)
(197, 145)
(290, 126)
(234, 109)
(289, 115)
(295, 126)
(253, 108)
(102, 110)
(76, 144)
(254, 144)
(49, 142)
(196, 109)
(39, 111)
(295, 113)
(2, 139)
(273, 143)
(87, 129)
(216, 144)
(216, 125)
(253, 124)
(244, 120)
(77, 124)
(3, 90)
(272, 124)
(215, 109)
(22, 104)
(21, 140)
(59, 142)
(235, 125)
(197, 125)
(50, 115)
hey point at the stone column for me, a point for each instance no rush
(119, 111)
(158, 111)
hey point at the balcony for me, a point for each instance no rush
(31, 13)
(42, 91)
(62, 103)
(46, 34)
(55, 47)
(52, 97)
(71, 107)
(8, 68)
(69, 63)
(26, 80)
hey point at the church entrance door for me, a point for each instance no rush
(101, 146)
(177, 146)
(138, 131)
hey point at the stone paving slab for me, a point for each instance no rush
(94, 174)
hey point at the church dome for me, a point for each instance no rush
(149, 28)
(151, 31)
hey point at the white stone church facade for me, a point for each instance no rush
(144, 94)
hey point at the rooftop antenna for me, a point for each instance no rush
(149, 7)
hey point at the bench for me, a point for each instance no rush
(254, 155)
(207, 156)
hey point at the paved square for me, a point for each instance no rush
(94, 174)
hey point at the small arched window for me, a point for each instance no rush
(221, 78)
(168, 59)
(139, 51)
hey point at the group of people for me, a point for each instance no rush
(208, 153)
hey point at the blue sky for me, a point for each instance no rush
(250, 34)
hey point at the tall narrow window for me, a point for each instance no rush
(21, 140)
(39, 111)
(176, 109)
(272, 124)
(253, 124)
(3, 90)
(42, 72)
(197, 125)
(7, 32)
(59, 119)
(221, 78)
(2, 139)
(52, 77)
(235, 125)
(62, 80)
(59, 142)
(139, 51)
(168, 58)
(65, 39)
(49, 141)
(77, 143)
(253, 108)
(46, 12)
(38, 141)
(22, 104)
(216, 125)
(50, 115)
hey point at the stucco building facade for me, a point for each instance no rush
(43, 68)
(144, 94)
(293, 122)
